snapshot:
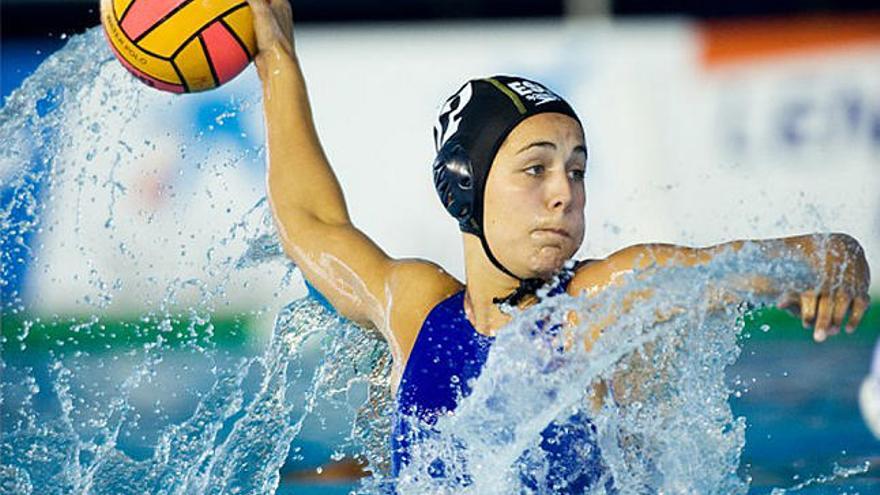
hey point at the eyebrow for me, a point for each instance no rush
(537, 144)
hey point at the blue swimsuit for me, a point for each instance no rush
(449, 346)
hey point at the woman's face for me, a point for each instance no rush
(533, 208)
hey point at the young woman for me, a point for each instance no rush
(510, 168)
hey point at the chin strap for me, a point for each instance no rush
(527, 286)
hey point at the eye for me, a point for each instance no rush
(536, 169)
(577, 174)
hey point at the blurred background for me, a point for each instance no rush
(706, 121)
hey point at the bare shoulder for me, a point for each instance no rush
(415, 286)
(420, 276)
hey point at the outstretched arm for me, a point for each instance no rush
(838, 259)
(842, 286)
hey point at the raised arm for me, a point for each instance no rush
(351, 271)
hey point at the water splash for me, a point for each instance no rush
(88, 420)
(79, 417)
(665, 424)
(838, 473)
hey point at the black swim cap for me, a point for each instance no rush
(472, 125)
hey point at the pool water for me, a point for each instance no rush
(800, 401)
(802, 412)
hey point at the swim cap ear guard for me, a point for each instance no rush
(472, 125)
(454, 181)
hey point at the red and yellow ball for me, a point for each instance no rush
(181, 46)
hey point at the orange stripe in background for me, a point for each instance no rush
(726, 42)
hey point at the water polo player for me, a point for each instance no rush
(504, 144)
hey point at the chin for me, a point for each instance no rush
(545, 265)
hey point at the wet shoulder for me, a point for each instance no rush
(416, 287)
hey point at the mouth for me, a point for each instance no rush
(553, 231)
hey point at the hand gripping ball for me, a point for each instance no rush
(181, 46)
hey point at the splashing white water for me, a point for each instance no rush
(838, 473)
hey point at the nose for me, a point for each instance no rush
(559, 191)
